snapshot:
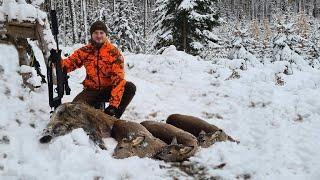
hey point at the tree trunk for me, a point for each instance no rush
(85, 20)
(64, 22)
(73, 20)
(184, 34)
(145, 7)
(315, 11)
(252, 10)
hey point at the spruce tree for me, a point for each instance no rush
(187, 24)
(285, 43)
(124, 33)
(240, 44)
(313, 53)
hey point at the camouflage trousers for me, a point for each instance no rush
(96, 97)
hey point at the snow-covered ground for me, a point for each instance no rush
(278, 125)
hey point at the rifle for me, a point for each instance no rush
(62, 78)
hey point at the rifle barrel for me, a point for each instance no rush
(54, 26)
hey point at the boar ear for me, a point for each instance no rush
(174, 141)
(138, 140)
(186, 149)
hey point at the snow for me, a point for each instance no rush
(242, 53)
(278, 126)
(281, 40)
(37, 2)
(197, 45)
(21, 11)
(48, 37)
(34, 80)
(210, 35)
(26, 69)
(187, 4)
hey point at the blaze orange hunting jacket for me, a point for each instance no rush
(104, 68)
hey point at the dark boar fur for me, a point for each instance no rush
(134, 140)
(183, 144)
(207, 134)
(71, 116)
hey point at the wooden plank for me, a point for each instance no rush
(5, 42)
(22, 30)
(22, 24)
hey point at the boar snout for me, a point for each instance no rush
(45, 138)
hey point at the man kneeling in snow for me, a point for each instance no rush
(104, 66)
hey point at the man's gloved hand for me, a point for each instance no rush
(55, 55)
(111, 110)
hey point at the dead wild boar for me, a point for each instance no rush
(181, 146)
(71, 116)
(134, 140)
(206, 133)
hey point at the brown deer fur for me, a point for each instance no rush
(183, 144)
(206, 133)
(134, 140)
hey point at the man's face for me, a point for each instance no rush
(99, 36)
